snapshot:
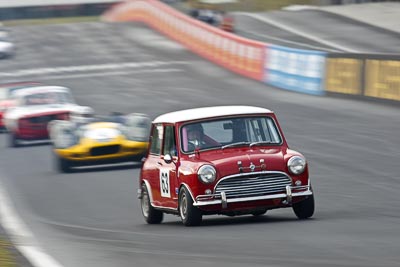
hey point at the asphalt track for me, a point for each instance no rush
(317, 30)
(92, 217)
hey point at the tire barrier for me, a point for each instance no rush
(343, 75)
(369, 76)
(294, 69)
(305, 71)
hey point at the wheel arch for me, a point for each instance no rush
(146, 183)
(188, 189)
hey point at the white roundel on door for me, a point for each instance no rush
(164, 183)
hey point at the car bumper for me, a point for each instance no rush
(32, 134)
(221, 199)
(125, 152)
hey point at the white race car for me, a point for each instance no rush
(7, 47)
(34, 108)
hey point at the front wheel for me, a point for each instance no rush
(190, 215)
(305, 208)
(13, 140)
(62, 165)
(150, 214)
(259, 212)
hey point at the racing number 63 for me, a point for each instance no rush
(164, 183)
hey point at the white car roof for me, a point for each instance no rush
(40, 89)
(208, 112)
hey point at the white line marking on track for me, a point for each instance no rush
(114, 73)
(21, 236)
(298, 32)
(292, 42)
(88, 68)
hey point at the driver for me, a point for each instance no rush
(82, 115)
(195, 135)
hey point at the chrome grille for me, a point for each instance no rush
(104, 150)
(253, 184)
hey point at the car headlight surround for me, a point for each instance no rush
(67, 139)
(296, 165)
(207, 174)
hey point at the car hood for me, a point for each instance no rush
(229, 162)
(101, 132)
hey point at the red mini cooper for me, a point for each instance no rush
(229, 160)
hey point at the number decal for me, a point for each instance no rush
(164, 183)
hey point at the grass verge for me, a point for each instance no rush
(6, 258)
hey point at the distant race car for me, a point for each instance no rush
(7, 48)
(6, 92)
(115, 139)
(33, 109)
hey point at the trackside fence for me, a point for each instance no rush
(305, 71)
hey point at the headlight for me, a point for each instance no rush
(296, 164)
(207, 174)
(65, 140)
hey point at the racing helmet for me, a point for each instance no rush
(195, 133)
(82, 114)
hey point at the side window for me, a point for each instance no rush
(156, 139)
(169, 142)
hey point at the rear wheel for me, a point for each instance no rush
(190, 215)
(150, 214)
(305, 208)
(13, 140)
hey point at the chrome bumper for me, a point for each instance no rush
(221, 199)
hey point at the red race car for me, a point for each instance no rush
(6, 92)
(34, 108)
(229, 160)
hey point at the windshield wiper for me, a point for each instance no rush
(235, 144)
(260, 143)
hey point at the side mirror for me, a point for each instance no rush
(168, 158)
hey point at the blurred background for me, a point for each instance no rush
(329, 69)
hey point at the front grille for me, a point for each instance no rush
(253, 184)
(41, 122)
(104, 150)
(42, 119)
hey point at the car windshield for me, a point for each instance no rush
(229, 132)
(45, 98)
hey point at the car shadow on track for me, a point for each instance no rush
(244, 219)
(108, 167)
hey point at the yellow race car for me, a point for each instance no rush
(113, 139)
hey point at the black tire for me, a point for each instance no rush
(305, 208)
(190, 215)
(13, 140)
(150, 214)
(62, 165)
(259, 212)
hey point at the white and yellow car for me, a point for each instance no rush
(112, 140)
